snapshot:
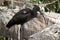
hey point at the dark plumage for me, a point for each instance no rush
(23, 16)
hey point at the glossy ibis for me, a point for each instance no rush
(23, 16)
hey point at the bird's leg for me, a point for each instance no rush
(22, 32)
(6, 38)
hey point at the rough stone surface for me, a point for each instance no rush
(49, 33)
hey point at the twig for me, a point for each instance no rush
(49, 3)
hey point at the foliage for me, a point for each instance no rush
(35, 1)
(46, 1)
(1, 37)
(50, 7)
(53, 7)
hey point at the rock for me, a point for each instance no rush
(50, 33)
(4, 18)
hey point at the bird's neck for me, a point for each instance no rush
(35, 13)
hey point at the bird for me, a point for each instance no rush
(23, 16)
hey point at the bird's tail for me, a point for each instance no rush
(10, 24)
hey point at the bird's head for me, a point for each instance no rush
(36, 10)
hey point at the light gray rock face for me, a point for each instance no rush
(50, 33)
(5, 16)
